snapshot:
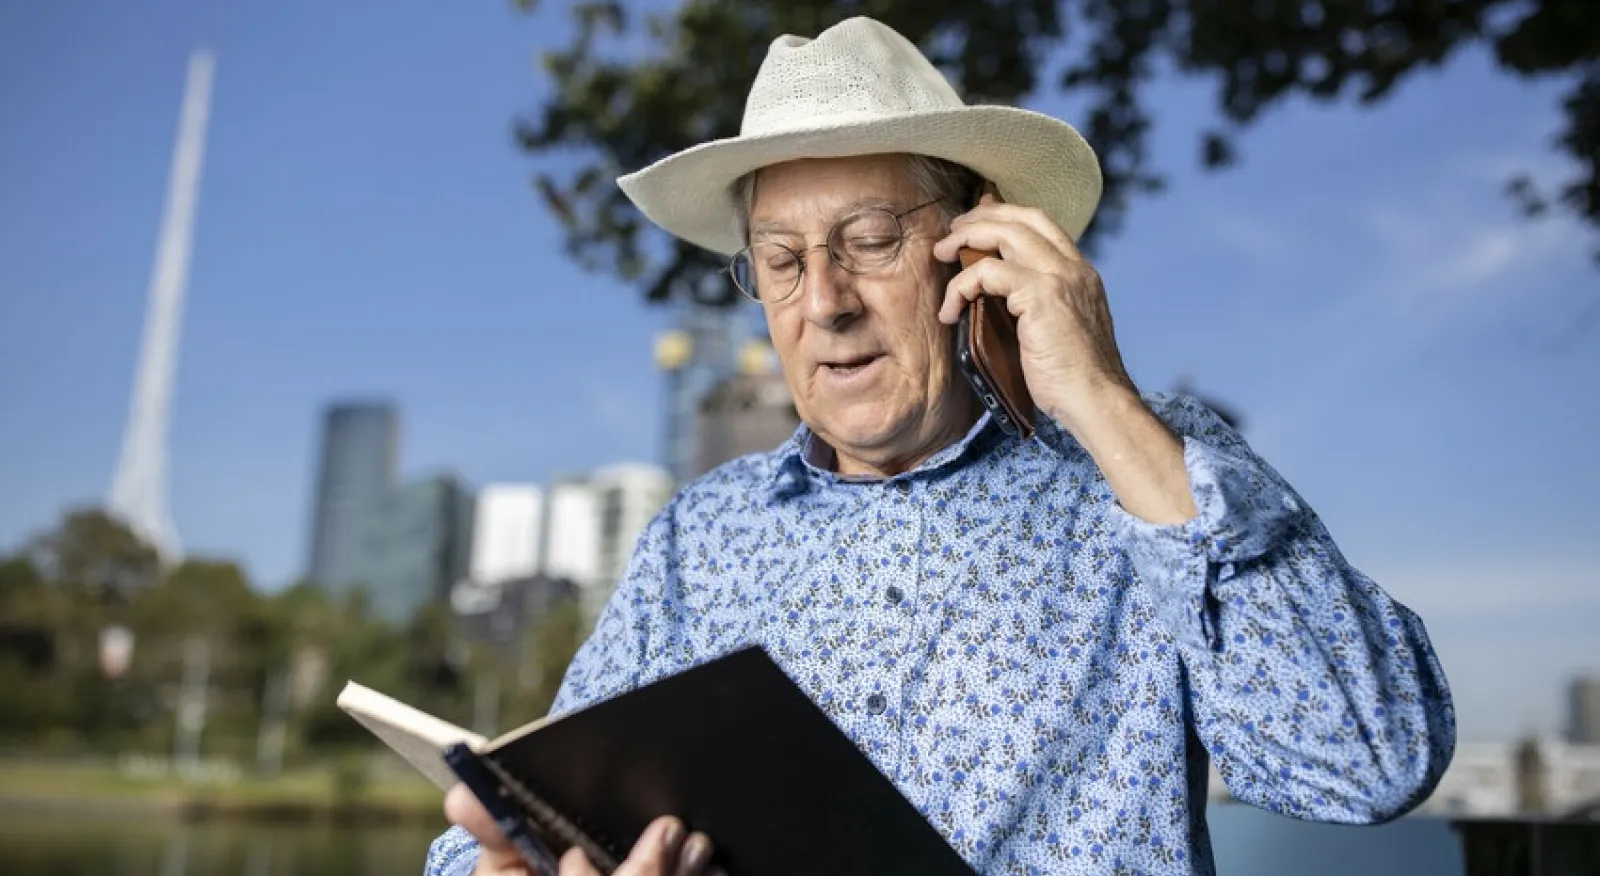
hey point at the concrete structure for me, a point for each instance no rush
(595, 521)
(748, 413)
(580, 529)
(571, 547)
(507, 533)
(1583, 711)
(139, 488)
(695, 356)
(357, 471)
(1481, 780)
(630, 495)
(1496, 780)
(498, 614)
(1500, 779)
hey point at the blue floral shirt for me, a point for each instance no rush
(1045, 676)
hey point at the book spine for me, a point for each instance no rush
(552, 822)
(475, 772)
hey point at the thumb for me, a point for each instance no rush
(500, 862)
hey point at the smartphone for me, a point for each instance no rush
(988, 354)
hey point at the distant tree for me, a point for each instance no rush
(63, 589)
(625, 93)
(30, 612)
(550, 643)
(94, 551)
(26, 615)
(436, 677)
(69, 584)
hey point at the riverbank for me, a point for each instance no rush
(320, 794)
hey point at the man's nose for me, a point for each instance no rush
(827, 292)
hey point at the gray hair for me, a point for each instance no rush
(955, 187)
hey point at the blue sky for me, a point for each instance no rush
(1398, 339)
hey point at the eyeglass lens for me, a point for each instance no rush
(861, 242)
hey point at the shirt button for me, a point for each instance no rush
(903, 486)
(876, 704)
(895, 594)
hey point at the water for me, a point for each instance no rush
(1248, 843)
(60, 845)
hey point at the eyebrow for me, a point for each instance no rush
(772, 228)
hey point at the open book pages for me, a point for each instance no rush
(415, 735)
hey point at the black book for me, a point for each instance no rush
(732, 747)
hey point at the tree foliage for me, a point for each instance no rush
(61, 593)
(629, 90)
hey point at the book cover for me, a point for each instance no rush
(732, 747)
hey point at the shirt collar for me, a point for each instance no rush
(806, 458)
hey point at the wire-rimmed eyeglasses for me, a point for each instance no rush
(864, 241)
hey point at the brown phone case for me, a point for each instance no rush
(991, 339)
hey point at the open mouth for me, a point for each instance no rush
(847, 367)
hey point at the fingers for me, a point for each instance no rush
(575, 863)
(987, 277)
(496, 855)
(663, 850)
(990, 209)
(500, 862)
(465, 811)
(1013, 241)
(696, 854)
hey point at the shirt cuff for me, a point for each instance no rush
(1245, 509)
(453, 853)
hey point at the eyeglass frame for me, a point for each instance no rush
(801, 254)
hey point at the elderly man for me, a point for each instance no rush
(1044, 642)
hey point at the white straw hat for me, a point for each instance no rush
(860, 88)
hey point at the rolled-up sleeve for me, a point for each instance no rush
(1316, 694)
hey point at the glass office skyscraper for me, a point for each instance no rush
(417, 543)
(359, 461)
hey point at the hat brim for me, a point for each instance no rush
(1035, 161)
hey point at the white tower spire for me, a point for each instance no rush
(139, 491)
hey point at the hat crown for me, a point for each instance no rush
(857, 69)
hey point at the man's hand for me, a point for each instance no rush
(1069, 351)
(662, 850)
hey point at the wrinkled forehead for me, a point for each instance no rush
(811, 193)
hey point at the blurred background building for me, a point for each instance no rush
(359, 459)
(1583, 716)
(498, 614)
(580, 529)
(415, 543)
(628, 495)
(693, 358)
(506, 534)
(750, 412)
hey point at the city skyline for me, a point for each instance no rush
(408, 539)
(1400, 342)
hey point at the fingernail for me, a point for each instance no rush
(671, 836)
(695, 856)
